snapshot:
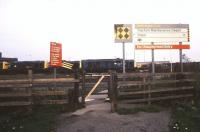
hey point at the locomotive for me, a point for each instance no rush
(21, 67)
(92, 66)
(104, 65)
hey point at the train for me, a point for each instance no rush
(104, 65)
(20, 67)
(91, 66)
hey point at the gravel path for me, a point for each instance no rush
(98, 118)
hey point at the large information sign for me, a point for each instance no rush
(162, 36)
(55, 54)
(162, 33)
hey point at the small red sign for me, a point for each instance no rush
(55, 54)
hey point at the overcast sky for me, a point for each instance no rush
(86, 27)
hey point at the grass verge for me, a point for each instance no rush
(40, 119)
(185, 119)
(146, 108)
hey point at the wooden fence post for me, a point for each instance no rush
(71, 99)
(149, 90)
(76, 90)
(30, 90)
(83, 88)
(109, 85)
(144, 86)
(149, 95)
(113, 91)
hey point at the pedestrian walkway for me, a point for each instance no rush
(97, 117)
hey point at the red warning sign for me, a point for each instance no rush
(55, 54)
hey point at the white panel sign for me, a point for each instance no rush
(162, 33)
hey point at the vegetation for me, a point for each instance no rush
(185, 119)
(39, 119)
(146, 108)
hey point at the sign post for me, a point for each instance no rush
(181, 61)
(54, 75)
(123, 34)
(55, 56)
(124, 66)
(153, 62)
